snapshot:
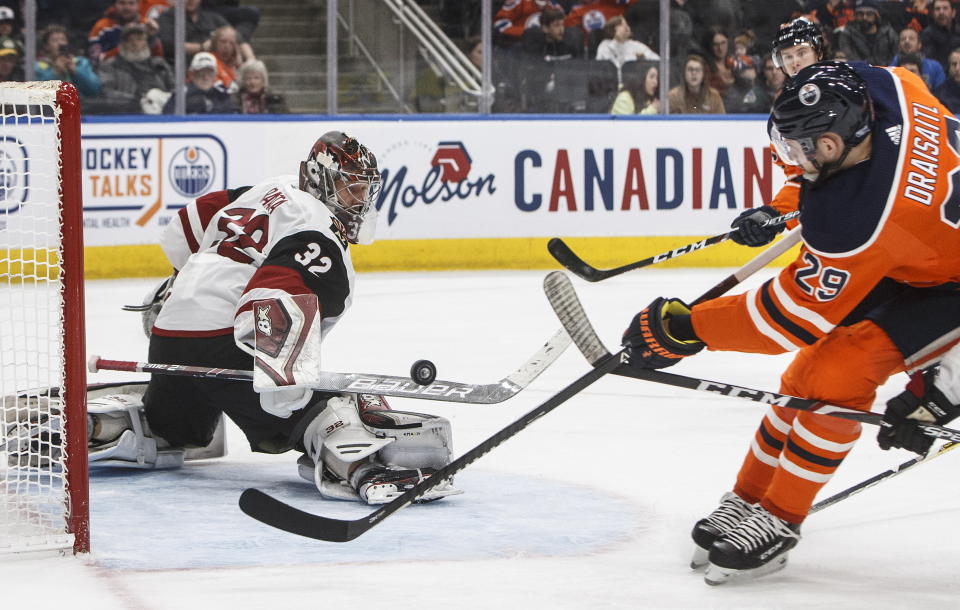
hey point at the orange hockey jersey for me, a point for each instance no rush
(895, 215)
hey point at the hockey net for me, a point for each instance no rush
(43, 459)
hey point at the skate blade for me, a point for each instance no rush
(701, 557)
(715, 575)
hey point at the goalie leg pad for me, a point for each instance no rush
(375, 456)
(334, 441)
(118, 436)
(421, 440)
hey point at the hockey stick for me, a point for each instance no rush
(385, 385)
(569, 259)
(566, 304)
(752, 266)
(883, 476)
(275, 513)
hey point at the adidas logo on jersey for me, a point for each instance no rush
(894, 133)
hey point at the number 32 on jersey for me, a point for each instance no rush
(312, 260)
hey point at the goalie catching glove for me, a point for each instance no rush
(661, 335)
(921, 402)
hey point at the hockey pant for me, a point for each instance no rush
(794, 453)
(185, 410)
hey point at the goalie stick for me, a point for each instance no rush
(576, 265)
(273, 512)
(385, 385)
(563, 298)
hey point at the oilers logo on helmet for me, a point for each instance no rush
(809, 94)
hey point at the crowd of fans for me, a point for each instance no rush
(720, 50)
(549, 55)
(119, 54)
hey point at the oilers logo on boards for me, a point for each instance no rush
(13, 174)
(192, 171)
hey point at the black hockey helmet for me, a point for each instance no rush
(800, 31)
(342, 173)
(824, 97)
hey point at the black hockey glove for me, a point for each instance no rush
(750, 230)
(921, 402)
(661, 334)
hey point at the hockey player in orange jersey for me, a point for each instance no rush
(874, 291)
(798, 44)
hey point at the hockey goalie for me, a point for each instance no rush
(262, 274)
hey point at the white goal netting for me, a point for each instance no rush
(35, 502)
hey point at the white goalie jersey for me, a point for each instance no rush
(238, 246)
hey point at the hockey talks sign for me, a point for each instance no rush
(446, 180)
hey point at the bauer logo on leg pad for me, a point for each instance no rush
(286, 342)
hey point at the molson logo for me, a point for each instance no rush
(192, 171)
(13, 174)
(440, 173)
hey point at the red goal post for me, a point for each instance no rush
(44, 496)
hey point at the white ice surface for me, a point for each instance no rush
(590, 507)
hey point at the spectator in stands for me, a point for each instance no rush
(725, 15)
(866, 38)
(104, 38)
(591, 16)
(640, 93)
(8, 22)
(200, 24)
(949, 92)
(226, 48)
(254, 95)
(129, 75)
(930, 70)
(55, 61)
(515, 17)
(743, 43)
(905, 14)
(769, 84)
(912, 62)
(694, 95)
(618, 47)
(10, 69)
(741, 97)
(551, 40)
(719, 62)
(152, 9)
(832, 14)
(941, 36)
(244, 18)
(202, 96)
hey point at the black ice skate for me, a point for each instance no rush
(757, 546)
(724, 518)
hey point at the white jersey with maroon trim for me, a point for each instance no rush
(237, 246)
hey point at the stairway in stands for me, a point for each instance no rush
(291, 41)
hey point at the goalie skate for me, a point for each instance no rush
(378, 484)
(759, 545)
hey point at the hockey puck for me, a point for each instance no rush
(423, 372)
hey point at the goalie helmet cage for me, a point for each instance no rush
(43, 432)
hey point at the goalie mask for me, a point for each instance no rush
(343, 174)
